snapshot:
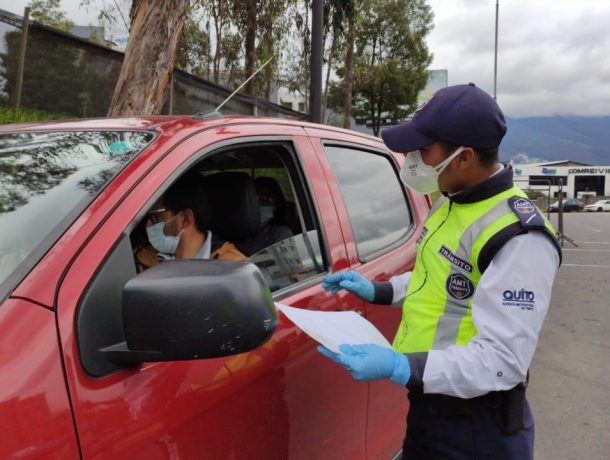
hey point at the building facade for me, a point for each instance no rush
(574, 179)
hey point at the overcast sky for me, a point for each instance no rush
(553, 55)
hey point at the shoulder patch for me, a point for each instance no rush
(527, 212)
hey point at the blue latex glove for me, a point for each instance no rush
(352, 282)
(371, 362)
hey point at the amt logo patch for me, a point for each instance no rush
(523, 206)
(521, 298)
(459, 287)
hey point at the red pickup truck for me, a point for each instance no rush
(190, 359)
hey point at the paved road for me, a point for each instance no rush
(570, 387)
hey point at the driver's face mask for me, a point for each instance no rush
(162, 242)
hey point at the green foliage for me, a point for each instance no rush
(281, 177)
(389, 68)
(194, 48)
(295, 68)
(391, 60)
(8, 115)
(47, 12)
(273, 27)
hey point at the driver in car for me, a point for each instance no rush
(178, 226)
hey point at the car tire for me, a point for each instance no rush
(599, 209)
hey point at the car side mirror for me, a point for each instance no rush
(194, 309)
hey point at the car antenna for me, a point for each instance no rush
(214, 114)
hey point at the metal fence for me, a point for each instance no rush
(69, 75)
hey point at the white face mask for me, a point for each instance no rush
(166, 244)
(420, 177)
(266, 214)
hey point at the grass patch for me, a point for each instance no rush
(9, 115)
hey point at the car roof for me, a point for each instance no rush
(166, 124)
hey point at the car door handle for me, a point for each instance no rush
(355, 311)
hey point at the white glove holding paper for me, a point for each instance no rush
(333, 328)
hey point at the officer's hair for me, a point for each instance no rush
(188, 193)
(487, 157)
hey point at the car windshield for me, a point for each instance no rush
(46, 180)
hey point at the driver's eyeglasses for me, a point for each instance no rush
(155, 215)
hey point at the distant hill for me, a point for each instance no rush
(585, 139)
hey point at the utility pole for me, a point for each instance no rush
(315, 92)
(496, 54)
(21, 62)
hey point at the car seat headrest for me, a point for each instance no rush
(234, 204)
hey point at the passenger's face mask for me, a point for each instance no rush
(166, 244)
(420, 177)
(266, 213)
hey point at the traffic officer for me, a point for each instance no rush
(477, 297)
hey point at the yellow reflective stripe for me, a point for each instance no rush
(456, 309)
(487, 234)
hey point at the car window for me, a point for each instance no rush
(47, 179)
(373, 195)
(290, 260)
(258, 203)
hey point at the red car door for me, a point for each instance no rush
(381, 221)
(35, 416)
(281, 400)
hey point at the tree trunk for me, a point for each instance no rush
(250, 46)
(149, 58)
(330, 64)
(374, 119)
(268, 81)
(379, 112)
(349, 69)
(270, 69)
(217, 13)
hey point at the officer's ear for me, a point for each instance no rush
(467, 158)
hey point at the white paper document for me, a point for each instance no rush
(333, 328)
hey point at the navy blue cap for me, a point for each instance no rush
(461, 115)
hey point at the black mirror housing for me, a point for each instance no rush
(194, 309)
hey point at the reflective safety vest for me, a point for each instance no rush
(455, 247)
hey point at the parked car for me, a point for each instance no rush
(190, 359)
(569, 205)
(598, 206)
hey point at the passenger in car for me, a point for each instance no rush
(272, 214)
(271, 199)
(282, 212)
(178, 226)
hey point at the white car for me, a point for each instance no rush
(598, 206)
